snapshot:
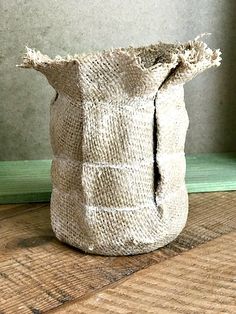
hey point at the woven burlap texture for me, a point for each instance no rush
(118, 127)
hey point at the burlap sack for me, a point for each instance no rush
(118, 127)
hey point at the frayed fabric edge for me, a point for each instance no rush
(192, 52)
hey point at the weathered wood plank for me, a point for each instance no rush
(10, 210)
(38, 273)
(202, 280)
(29, 180)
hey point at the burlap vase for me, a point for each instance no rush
(118, 127)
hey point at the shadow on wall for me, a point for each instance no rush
(229, 106)
(214, 126)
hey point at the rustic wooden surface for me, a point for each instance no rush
(38, 273)
(202, 280)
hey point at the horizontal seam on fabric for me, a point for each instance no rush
(159, 202)
(145, 161)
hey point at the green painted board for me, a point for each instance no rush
(25, 181)
(29, 181)
(211, 172)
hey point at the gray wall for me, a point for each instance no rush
(61, 27)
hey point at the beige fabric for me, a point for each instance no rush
(118, 127)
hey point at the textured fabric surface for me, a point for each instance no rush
(118, 127)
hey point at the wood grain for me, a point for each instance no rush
(29, 180)
(202, 280)
(38, 273)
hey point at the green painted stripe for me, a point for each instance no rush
(29, 180)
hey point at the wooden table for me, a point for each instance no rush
(194, 274)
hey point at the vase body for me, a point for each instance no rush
(118, 127)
